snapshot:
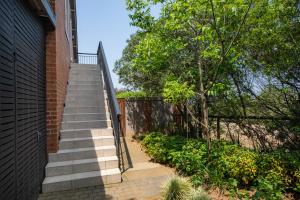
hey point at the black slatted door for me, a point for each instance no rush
(7, 102)
(25, 122)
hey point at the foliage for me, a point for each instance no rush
(230, 161)
(199, 194)
(160, 147)
(267, 190)
(191, 158)
(131, 94)
(235, 58)
(177, 188)
(229, 165)
(175, 92)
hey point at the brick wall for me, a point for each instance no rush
(58, 58)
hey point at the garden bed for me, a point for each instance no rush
(239, 171)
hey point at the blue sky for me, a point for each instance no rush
(105, 20)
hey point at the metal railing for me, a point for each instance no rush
(111, 97)
(87, 58)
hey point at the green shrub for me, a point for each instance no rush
(160, 147)
(228, 165)
(192, 157)
(229, 160)
(177, 188)
(271, 176)
(267, 190)
(131, 94)
(297, 180)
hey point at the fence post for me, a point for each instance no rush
(218, 129)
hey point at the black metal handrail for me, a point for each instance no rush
(87, 58)
(111, 96)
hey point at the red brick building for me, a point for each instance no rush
(59, 53)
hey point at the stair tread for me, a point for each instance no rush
(84, 175)
(97, 113)
(100, 120)
(83, 149)
(81, 161)
(86, 129)
(84, 106)
(87, 138)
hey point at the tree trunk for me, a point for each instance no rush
(203, 106)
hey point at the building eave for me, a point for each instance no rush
(43, 9)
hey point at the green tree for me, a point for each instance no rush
(225, 50)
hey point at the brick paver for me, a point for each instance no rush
(142, 180)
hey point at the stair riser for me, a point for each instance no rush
(94, 77)
(77, 109)
(83, 65)
(85, 87)
(85, 77)
(79, 104)
(81, 155)
(85, 99)
(79, 168)
(86, 143)
(85, 117)
(77, 93)
(85, 82)
(85, 125)
(85, 94)
(86, 182)
(79, 68)
(86, 133)
(86, 72)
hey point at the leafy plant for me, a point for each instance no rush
(131, 94)
(267, 190)
(229, 165)
(175, 92)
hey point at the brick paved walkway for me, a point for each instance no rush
(141, 180)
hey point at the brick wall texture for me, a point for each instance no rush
(58, 56)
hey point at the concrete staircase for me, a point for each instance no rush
(87, 154)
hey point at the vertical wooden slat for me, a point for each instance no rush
(123, 115)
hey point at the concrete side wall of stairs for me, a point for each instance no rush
(87, 154)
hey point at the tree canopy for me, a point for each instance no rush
(233, 57)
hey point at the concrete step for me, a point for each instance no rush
(92, 101)
(85, 116)
(85, 72)
(85, 82)
(85, 124)
(79, 166)
(79, 180)
(88, 77)
(77, 133)
(84, 98)
(79, 103)
(84, 109)
(83, 66)
(97, 92)
(82, 153)
(85, 86)
(83, 142)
